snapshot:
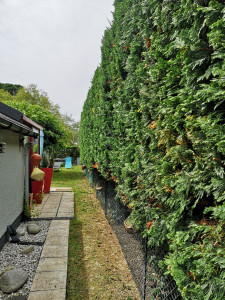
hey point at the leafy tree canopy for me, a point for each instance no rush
(35, 104)
(56, 135)
(74, 127)
(11, 88)
(33, 95)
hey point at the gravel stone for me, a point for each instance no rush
(12, 280)
(11, 255)
(33, 228)
(20, 232)
(28, 249)
(8, 268)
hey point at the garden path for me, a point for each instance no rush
(51, 275)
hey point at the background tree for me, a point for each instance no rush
(59, 130)
(74, 127)
(11, 88)
(33, 95)
(56, 134)
(5, 96)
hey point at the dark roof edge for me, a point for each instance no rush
(13, 125)
(11, 112)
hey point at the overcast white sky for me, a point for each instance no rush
(54, 44)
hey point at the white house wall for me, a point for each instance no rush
(11, 179)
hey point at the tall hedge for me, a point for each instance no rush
(154, 122)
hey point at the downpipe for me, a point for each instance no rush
(27, 169)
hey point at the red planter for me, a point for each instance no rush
(37, 190)
(47, 179)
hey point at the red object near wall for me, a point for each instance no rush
(47, 179)
(37, 190)
(35, 159)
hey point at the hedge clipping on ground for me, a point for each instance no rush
(154, 122)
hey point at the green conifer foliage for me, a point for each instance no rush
(154, 122)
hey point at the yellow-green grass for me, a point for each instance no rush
(77, 278)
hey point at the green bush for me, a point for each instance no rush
(153, 121)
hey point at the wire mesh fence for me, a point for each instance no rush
(142, 260)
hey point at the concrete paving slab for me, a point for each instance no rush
(54, 251)
(60, 223)
(68, 195)
(45, 281)
(54, 195)
(67, 200)
(48, 295)
(57, 204)
(50, 208)
(64, 211)
(47, 215)
(69, 207)
(66, 205)
(61, 189)
(52, 264)
(58, 232)
(53, 241)
(56, 192)
(55, 198)
(65, 215)
(52, 202)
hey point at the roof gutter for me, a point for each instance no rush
(31, 123)
(15, 126)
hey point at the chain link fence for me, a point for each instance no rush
(142, 260)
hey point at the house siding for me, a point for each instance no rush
(11, 179)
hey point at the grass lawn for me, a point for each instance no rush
(77, 284)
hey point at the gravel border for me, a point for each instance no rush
(11, 255)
